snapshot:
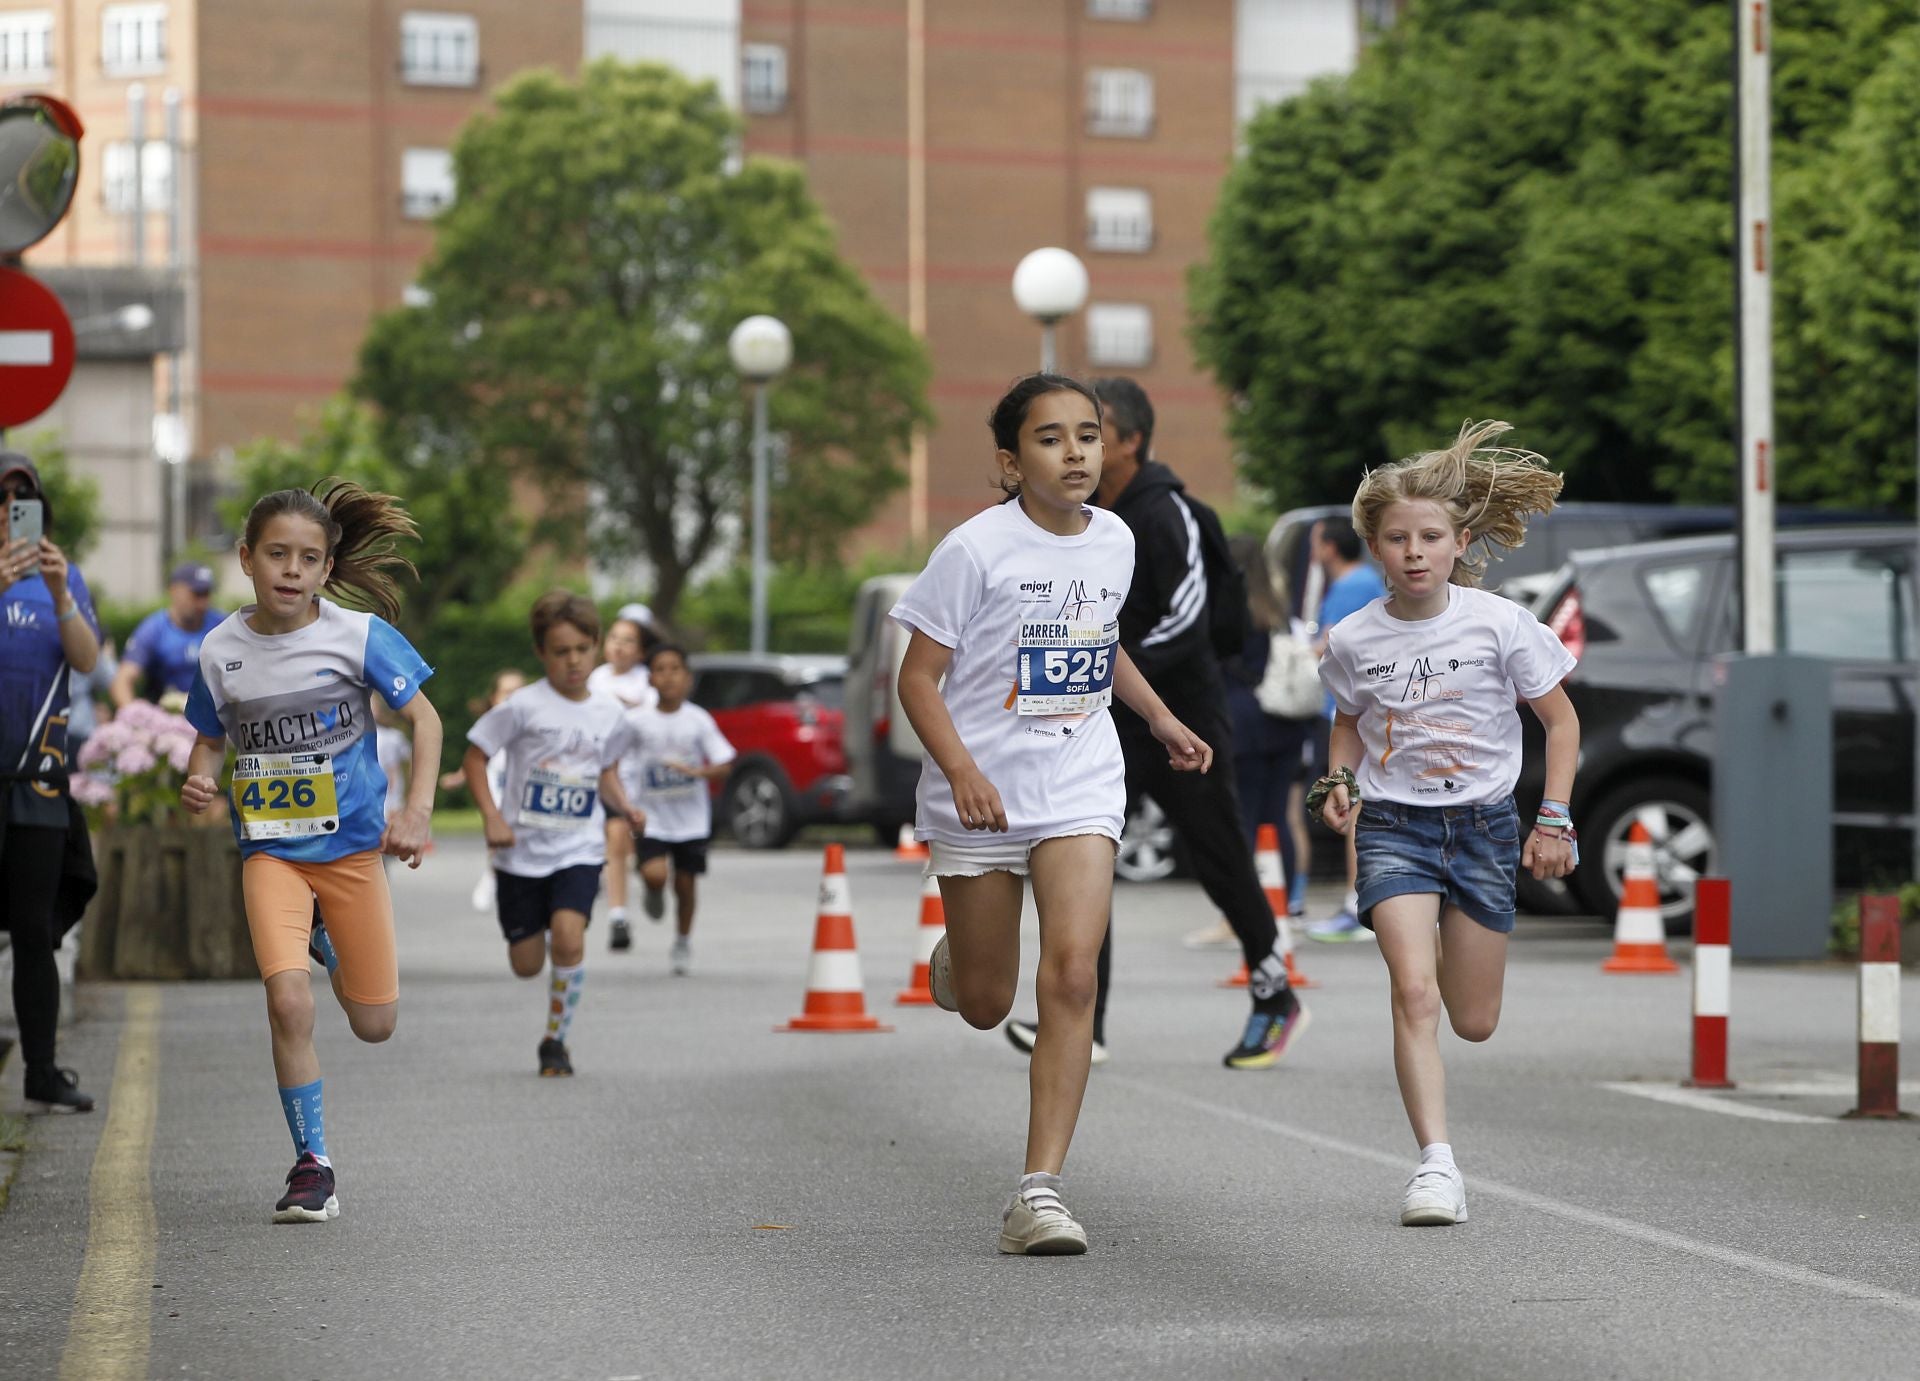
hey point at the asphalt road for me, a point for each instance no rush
(710, 1199)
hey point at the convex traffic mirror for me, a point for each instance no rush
(39, 168)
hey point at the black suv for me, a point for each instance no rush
(1646, 623)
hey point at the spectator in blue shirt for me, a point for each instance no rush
(165, 648)
(1353, 582)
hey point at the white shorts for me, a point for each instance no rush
(993, 855)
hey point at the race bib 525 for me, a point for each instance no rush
(1065, 666)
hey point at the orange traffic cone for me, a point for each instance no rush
(1639, 933)
(909, 849)
(836, 998)
(1273, 881)
(933, 924)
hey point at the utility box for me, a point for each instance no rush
(1773, 801)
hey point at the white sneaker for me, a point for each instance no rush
(681, 958)
(940, 977)
(483, 892)
(1037, 1223)
(1436, 1197)
(1219, 935)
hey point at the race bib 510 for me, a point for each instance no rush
(285, 795)
(554, 801)
(1065, 667)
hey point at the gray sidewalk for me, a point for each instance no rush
(708, 1198)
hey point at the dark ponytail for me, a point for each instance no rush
(362, 529)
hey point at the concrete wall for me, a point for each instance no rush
(105, 421)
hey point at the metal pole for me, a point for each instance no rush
(177, 469)
(1047, 356)
(137, 136)
(759, 637)
(1753, 249)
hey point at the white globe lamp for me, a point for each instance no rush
(761, 348)
(1049, 284)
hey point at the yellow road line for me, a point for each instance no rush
(112, 1324)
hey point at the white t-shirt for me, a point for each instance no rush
(395, 752)
(555, 750)
(1033, 621)
(1436, 697)
(633, 688)
(679, 807)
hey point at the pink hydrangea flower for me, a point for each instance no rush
(90, 790)
(134, 759)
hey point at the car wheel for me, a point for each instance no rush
(759, 809)
(1146, 845)
(1678, 816)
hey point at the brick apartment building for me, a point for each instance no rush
(945, 138)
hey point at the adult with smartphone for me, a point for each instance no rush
(47, 630)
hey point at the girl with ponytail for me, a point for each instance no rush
(290, 680)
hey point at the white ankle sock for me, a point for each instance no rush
(616, 913)
(1438, 1153)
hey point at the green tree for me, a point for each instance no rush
(583, 287)
(471, 541)
(1520, 208)
(73, 499)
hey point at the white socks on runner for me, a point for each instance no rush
(1438, 1153)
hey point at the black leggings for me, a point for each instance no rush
(30, 861)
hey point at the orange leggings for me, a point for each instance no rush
(353, 897)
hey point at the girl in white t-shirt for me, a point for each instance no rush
(1425, 682)
(625, 677)
(1018, 609)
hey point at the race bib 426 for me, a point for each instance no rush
(1065, 667)
(285, 795)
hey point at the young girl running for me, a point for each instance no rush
(623, 675)
(290, 680)
(1424, 682)
(1018, 609)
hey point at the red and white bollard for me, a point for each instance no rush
(1712, 981)
(1879, 1008)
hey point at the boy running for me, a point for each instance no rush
(547, 830)
(668, 753)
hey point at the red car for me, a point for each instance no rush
(782, 713)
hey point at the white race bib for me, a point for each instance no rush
(660, 777)
(555, 801)
(1065, 666)
(285, 795)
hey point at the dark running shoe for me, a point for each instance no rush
(1022, 1034)
(309, 1197)
(653, 901)
(57, 1090)
(554, 1063)
(622, 937)
(1272, 1028)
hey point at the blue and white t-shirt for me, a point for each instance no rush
(298, 708)
(34, 692)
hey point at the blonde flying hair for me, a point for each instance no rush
(1488, 490)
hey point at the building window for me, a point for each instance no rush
(763, 78)
(133, 40)
(116, 175)
(426, 183)
(1119, 334)
(439, 49)
(26, 44)
(1119, 102)
(1119, 9)
(1119, 219)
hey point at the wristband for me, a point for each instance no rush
(73, 612)
(1340, 776)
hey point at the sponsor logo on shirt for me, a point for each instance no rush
(233, 666)
(21, 616)
(1380, 672)
(305, 729)
(1422, 682)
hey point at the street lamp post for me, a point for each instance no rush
(761, 347)
(1050, 284)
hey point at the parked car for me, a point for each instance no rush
(882, 751)
(1647, 621)
(783, 716)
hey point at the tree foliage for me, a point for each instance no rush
(471, 540)
(1522, 208)
(72, 498)
(603, 246)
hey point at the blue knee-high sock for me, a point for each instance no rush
(302, 1107)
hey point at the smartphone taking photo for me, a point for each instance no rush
(26, 521)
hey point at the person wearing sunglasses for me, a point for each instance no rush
(47, 630)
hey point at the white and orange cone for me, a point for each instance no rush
(836, 997)
(1639, 932)
(1273, 881)
(933, 924)
(909, 849)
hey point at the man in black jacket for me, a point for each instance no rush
(1164, 627)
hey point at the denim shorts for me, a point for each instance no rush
(1468, 855)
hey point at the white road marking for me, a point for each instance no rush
(1703, 1101)
(1559, 1208)
(1826, 1088)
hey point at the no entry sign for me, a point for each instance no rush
(36, 348)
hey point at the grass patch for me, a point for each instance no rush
(456, 822)
(13, 1132)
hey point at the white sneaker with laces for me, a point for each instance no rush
(680, 960)
(1436, 1197)
(940, 977)
(1037, 1223)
